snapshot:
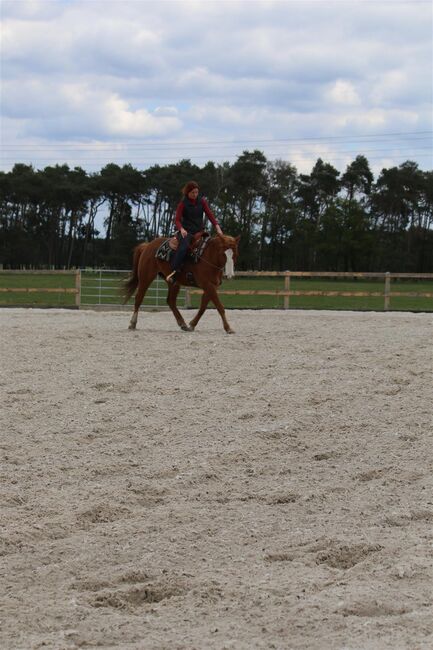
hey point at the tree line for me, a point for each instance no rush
(323, 221)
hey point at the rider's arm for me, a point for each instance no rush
(179, 215)
(210, 215)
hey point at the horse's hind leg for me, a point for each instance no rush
(173, 291)
(141, 292)
(138, 300)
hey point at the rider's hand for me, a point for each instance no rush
(218, 229)
(183, 232)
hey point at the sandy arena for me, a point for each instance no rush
(164, 490)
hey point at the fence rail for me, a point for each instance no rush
(93, 289)
(287, 292)
(37, 290)
(335, 274)
(98, 288)
(49, 290)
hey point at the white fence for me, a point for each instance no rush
(101, 289)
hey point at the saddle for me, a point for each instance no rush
(195, 249)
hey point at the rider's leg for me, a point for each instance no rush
(179, 256)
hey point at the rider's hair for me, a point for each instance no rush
(191, 185)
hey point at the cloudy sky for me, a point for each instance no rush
(90, 82)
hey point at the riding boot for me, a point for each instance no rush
(172, 277)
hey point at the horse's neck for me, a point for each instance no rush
(212, 249)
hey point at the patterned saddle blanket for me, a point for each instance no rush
(195, 251)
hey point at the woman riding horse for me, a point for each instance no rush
(189, 221)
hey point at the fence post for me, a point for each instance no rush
(78, 288)
(287, 288)
(387, 290)
(100, 287)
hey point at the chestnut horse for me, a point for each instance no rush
(207, 274)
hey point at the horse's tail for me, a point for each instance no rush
(131, 283)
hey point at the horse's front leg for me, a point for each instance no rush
(213, 295)
(133, 321)
(203, 304)
(173, 291)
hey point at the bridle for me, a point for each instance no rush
(220, 268)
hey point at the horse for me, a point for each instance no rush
(206, 273)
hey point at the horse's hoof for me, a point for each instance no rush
(191, 327)
(185, 328)
(230, 331)
(131, 327)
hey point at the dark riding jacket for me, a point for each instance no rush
(190, 214)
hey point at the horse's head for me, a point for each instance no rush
(229, 246)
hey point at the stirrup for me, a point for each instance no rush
(171, 277)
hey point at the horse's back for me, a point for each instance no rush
(150, 247)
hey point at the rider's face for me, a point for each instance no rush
(193, 194)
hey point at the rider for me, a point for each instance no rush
(189, 220)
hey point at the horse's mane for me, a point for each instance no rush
(223, 241)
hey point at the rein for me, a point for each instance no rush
(220, 268)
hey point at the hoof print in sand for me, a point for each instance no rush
(341, 556)
(129, 591)
(372, 474)
(134, 577)
(280, 557)
(137, 596)
(372, 609)
(405, 518)
(101, 514)
(281, 499)
(91, 584)
(132, 598)
(327, 455)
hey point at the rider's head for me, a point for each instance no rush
(190, 190)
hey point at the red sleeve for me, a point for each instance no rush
(179, 215)
(209, 212)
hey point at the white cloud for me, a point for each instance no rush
(213, 70)
(110, 115)
(120, 120)
(343, 93)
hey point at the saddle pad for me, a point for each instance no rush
(164, 251)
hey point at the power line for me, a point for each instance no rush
(192, 143)
(389, 151)
(195, 146)
(144, 161)
(399, 147)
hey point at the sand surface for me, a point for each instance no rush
(170, 490)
